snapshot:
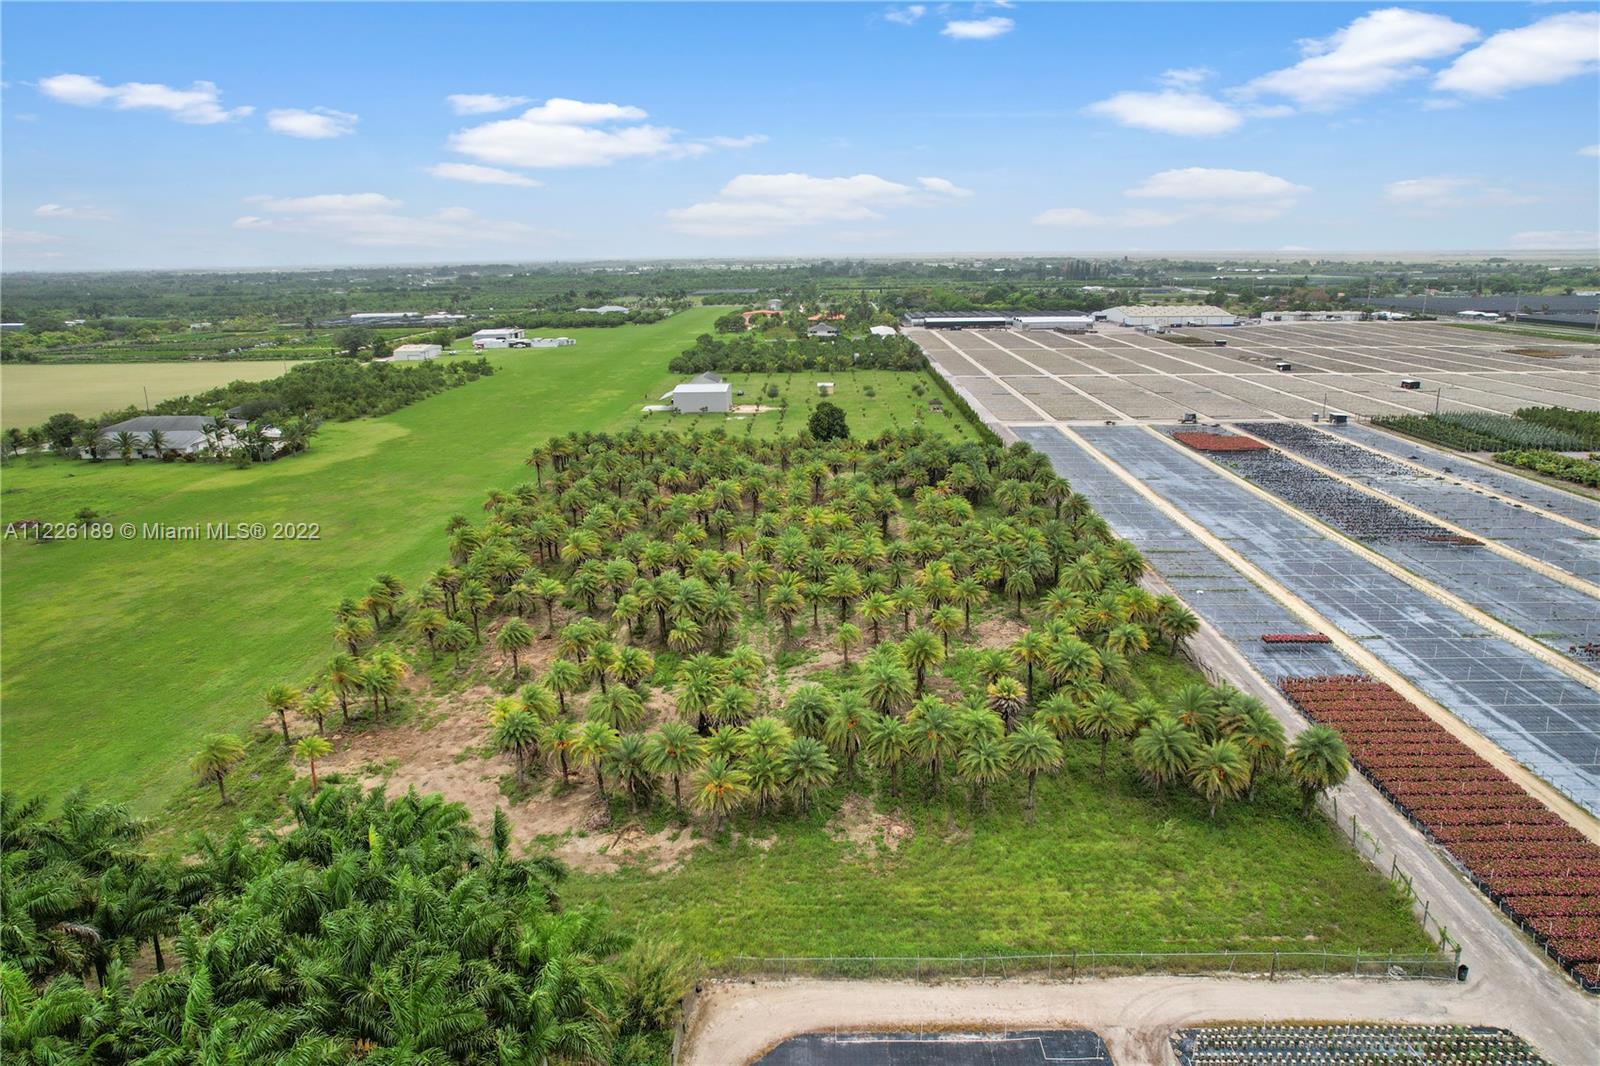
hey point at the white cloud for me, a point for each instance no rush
(749, 140)
(1207, 183)
(480, 175)
(483, 103)
(568, 133)
(372, 220)
(1591, 149)
(200, 104)
(1378, 50)
(85, 214)
(1183, 114)
(1201, 192)
(978, 29)
(1447, 191)
(1186, 77)
(907, 15)
(1548, 51)
(943, 186)
(317, 124)
(1541, 239)
(352, 201)
(755, 204)
(27, 236)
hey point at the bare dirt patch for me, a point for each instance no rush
(997, 632)
(866, 828)
(1540, 353)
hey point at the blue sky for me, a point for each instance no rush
(195, 135)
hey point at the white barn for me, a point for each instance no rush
(1168, 315)
(706, 393)
(499, 338)
(413, 353)
(883, 331)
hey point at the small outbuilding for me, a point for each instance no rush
(498, 338)
(413, 353)
(604, 309)
(822, 331)
(703, 394)
(824, 388)
(883, 331)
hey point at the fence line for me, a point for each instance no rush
(1364, 842)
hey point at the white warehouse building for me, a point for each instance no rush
(1168, 315)
(413, 353)
(499, 338)
(704, 393)
(1069, 323)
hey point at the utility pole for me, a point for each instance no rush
(1436, 394)
(146, 398)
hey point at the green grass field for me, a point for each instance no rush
(119, 655)
(892, 405)
(32, 392)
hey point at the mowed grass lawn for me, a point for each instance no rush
(874, 401)
(1105, 866)
(118, 656)
(32, 392)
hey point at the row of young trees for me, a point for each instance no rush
(750, 353)
(368, 929)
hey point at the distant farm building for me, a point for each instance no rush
(366, 318)
(705, 393)
(824, 388)
(1068, 323)
(1312, 316)
(883, 331)
(550, 342)
(822, 331)
(604, 309)
(958, 320)
(442, 316)
(413, 353)
(1173, 315)
(508, 337)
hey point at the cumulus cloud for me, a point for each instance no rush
(1553, 239)
(1447, 191)
(755, 204)
(1543, 53)
(200, 104)
(373, 220)
(1175, 111)
(479, 174)
(978, 29)
(1198, 192)
(66, 211)
(1376, 51)
(1591, 149)
(907, 15)
(571, 133)
(1186, 77)
(316, 124)
(483, 103)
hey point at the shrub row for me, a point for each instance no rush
(1554, 464)
(748, 354)
(1518, 851)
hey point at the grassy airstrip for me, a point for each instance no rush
(119, 655)
(32, 392)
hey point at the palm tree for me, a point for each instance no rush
(1164, 750)
(674, 750)
(886, 742)
(981, 763)
(621, 708)
(351, 632)
(343, 679)
(428, 623)
(1261, 737)
(219, 753)
(281, 699)
(876, 607)
(593, 745)
(309, 750)
(1027, 651)
(843, 585)
(967, 594)
(1219, 772)
(557, 741)
(844, 728)
(885, 682)
(316, 706)
(1032, 748)
(518, 733)
(126, 443)
(549, 591)
(808, 768)
(847, 636)
(1175, 622)
(1007, 698)
(946, 621)
(906, 599)
(455, 637)
(514, 637)
(786, 601)
(1070, 661)
(1317, 761)
(476, 598)
(630, 762)
(934, 731)
(564, 677)
(1105, 718)
(719, 790)
(808, 708)
(156, 441)
(921, 650)
(1194, 705)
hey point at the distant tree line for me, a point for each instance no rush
(747, 353)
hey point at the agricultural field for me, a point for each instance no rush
(810, 680)
(874, 402)
(32, 392)
(184, 634)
